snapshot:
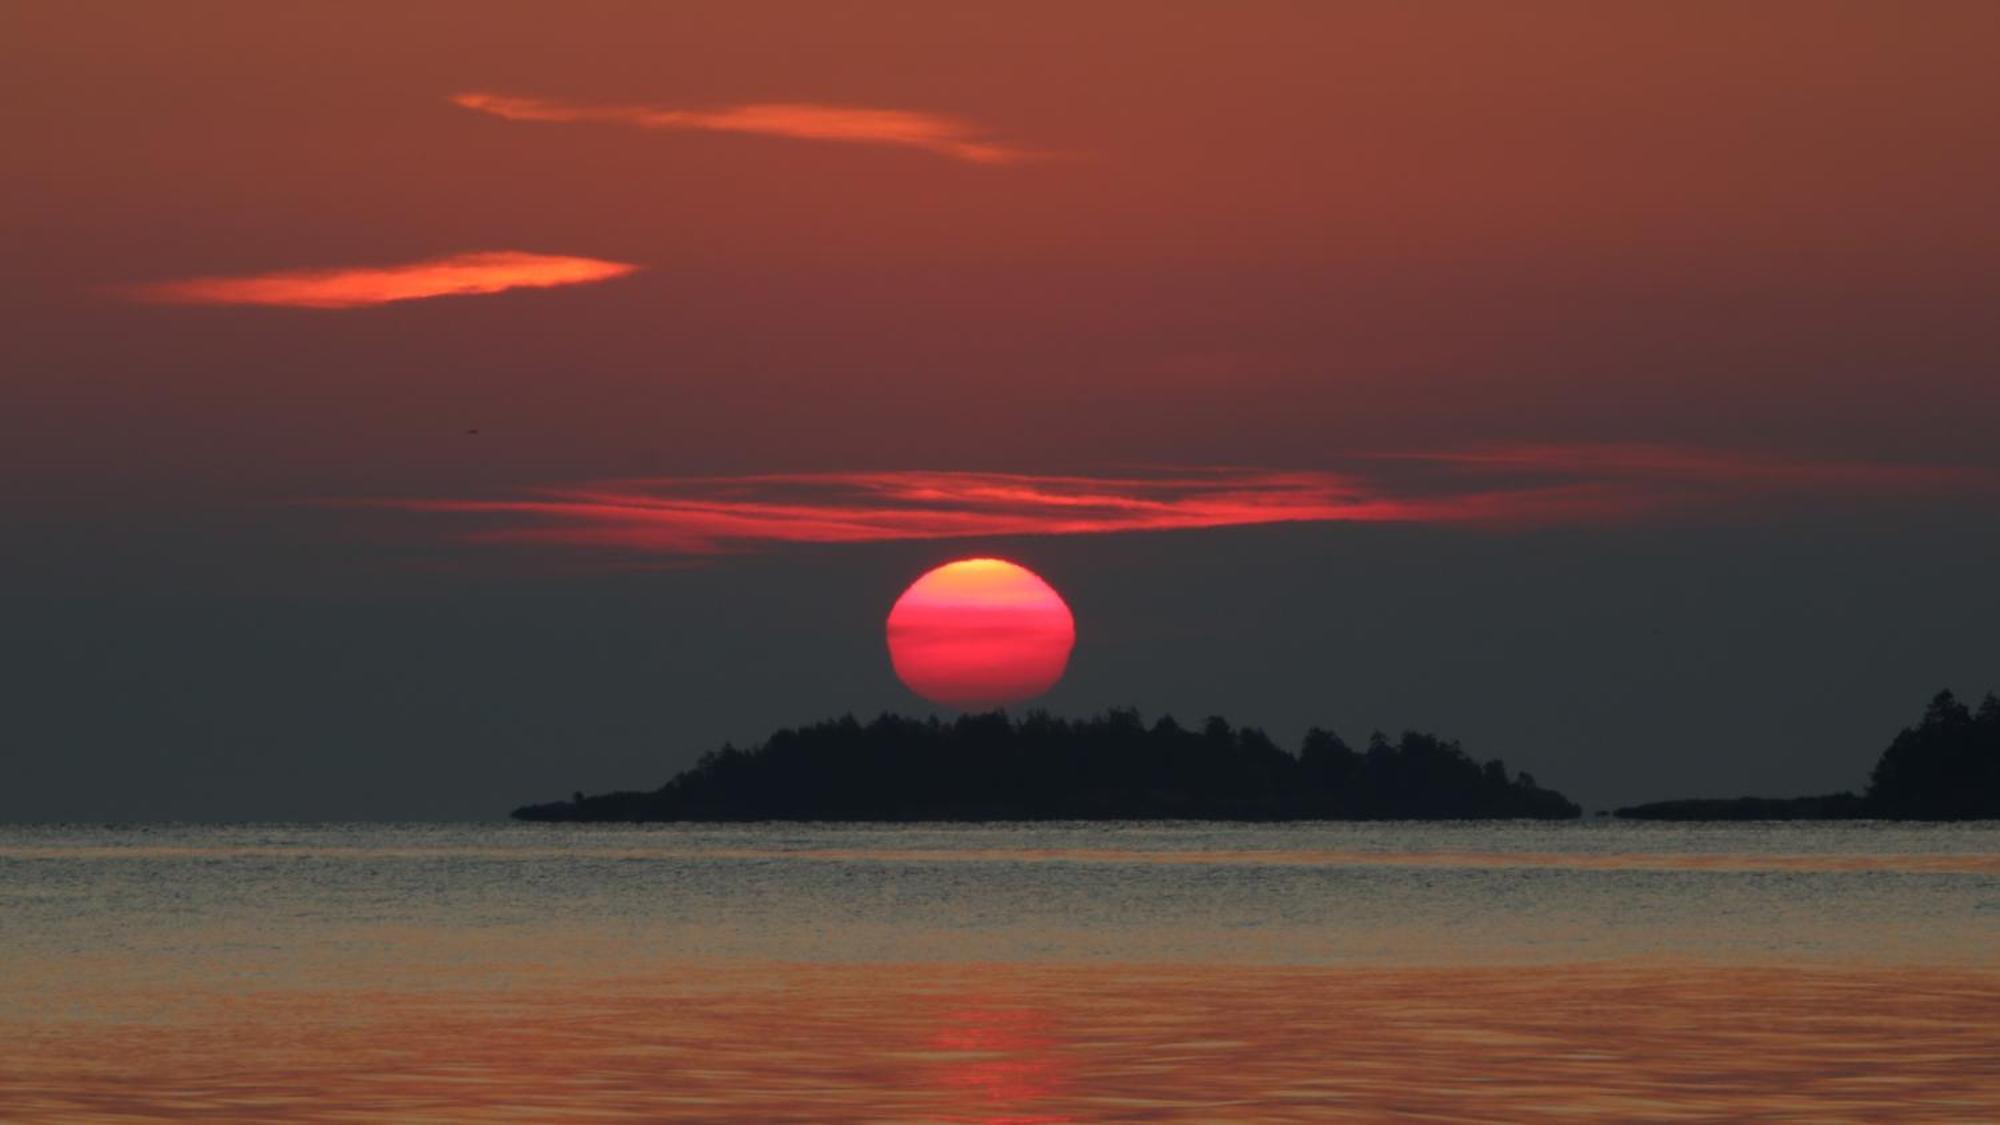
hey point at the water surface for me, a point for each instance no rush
(1081, 972)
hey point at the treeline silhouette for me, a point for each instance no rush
(1947, 767)
(1111, 767)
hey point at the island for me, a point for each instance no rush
(991, 767)
(1947, 767)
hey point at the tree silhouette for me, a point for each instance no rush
(1947, 767)
(1111, 767)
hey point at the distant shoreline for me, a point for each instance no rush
(986, 769)
(1831, 806)
(1946, 768)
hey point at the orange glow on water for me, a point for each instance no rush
(1165, 1043)
(980, 633)
(345, 288)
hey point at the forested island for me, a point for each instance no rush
(991, 767)
(1947, 767)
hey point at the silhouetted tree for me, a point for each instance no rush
(990, 767)
(1947, 767)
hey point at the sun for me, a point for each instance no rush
(980, 633)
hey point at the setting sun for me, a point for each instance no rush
(980, 633)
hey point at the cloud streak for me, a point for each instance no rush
(1512, 487)
(806, 121)
(457, 275)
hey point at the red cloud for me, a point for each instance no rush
(491, 271)
(945, 136)
(1536, 485)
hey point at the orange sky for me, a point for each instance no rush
(1709, 224)
(1454, 296)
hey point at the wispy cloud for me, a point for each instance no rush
(1521, 486)
(945, 136)
(350, 287)
(1690, 468)
(703, 515)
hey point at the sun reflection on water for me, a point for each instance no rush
(1003, 1059)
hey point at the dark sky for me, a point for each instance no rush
(1625, 374)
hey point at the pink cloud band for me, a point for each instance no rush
(1520, 486)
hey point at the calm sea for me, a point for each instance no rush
(1072, 973)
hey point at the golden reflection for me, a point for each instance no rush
(913, 1043)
